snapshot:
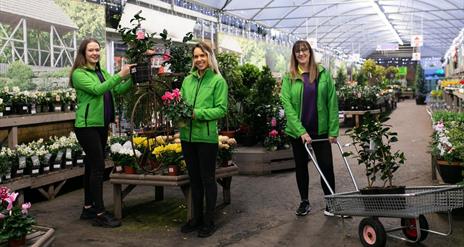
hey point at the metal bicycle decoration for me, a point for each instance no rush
(146, 119)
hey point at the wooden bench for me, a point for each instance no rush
(223, 177)
(356, 114)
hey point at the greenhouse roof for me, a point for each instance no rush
(40, 14)
(357, 26)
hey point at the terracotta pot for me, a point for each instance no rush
(173, 170)
(17, 242)
(129, 170)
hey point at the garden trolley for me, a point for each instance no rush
(409, 207)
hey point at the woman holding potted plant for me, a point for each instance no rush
(95, 111)
(206, 91)
(311, 107)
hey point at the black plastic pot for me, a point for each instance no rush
(141, 73)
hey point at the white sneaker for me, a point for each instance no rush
(329, 214)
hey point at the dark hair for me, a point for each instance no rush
(313, 72)
(80, 60)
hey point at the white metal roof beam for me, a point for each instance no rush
(261, 10)
(301, 5)
(384, 18)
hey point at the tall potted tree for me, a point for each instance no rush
(421, 89)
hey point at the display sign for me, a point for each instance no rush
(416, 56)
(417, 40)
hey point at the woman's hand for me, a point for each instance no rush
(125, 70)
(305, 138)
(332, 139)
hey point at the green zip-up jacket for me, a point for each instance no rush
(291, 97)
(90, 95)
(208, 96)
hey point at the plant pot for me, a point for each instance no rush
(173, 170)
(129, 170)
(451, 173)
(420, 99)
(17, 242)
(380, 204)
(141, 73)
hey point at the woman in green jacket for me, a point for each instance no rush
(206, 91)
(95, 111)
(311, 108)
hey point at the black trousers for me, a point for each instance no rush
(93, 141)
(201, 166)
(323, 152)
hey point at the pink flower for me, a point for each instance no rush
(273, 133)
(10, 199)
(140, 35)
(166, 57)
(4, 192)
(25, 207)
(273, 122)
(2, 216)
(176, 94)
(167, 96)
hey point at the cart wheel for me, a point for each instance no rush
(371, 233)
(410, 231)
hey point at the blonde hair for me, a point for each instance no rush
(212, 62)
(313, 72)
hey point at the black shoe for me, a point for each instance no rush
(106, 220)
(304, 208)
(88, 213)
(206, 230)
(190, 226)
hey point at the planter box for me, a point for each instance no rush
(259, 161)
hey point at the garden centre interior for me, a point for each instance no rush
(397, 68)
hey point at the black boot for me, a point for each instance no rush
(88, 213)
(191, 226)
(106, 219)
(206, 230)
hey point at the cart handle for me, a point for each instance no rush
(312, 155)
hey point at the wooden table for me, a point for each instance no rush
(223, 177)
(356, 114)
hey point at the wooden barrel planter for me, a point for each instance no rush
(450, 172)
(259, 161)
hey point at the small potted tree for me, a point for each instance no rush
(372, 141)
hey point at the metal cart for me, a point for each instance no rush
(409, 207)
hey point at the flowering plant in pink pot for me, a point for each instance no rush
(15, 221)
(175, 109)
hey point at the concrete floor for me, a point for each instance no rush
(262, 209)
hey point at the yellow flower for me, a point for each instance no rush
(160, 140)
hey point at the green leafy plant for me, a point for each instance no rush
(372, 141)
(137, 40)
(16, 221)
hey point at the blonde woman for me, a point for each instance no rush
(206, 90)
(311, 107)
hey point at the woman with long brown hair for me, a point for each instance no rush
(311, 108)
(95, 111)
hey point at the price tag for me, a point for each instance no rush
(8, 176)
(118, 168)
(19, 171)
(79, 161)
(25, 108)
(7, 108)
(170, 169)
(46, 158)
(57, 108)
(68, 154)
(22, 162)
(56, 166)
(1, 114)
(46, 168)
(35, 161)
(35, 171)
(33, 111)
(59, 156)
(69, 162)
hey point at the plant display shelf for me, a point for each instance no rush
(259, 161)
(12, 122)
(53, 181)
(357, 114)
(40, 236)
(223, 177)
(454, 100)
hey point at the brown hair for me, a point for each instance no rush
(313, 72)
(80, 60)
(212, 62)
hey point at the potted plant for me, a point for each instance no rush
(138, 42)
(421, 89)
(7, 157)
(373, 143)
(124, 157)
(16, 222)
(170, 156)
(175, 109)
(226, 148)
